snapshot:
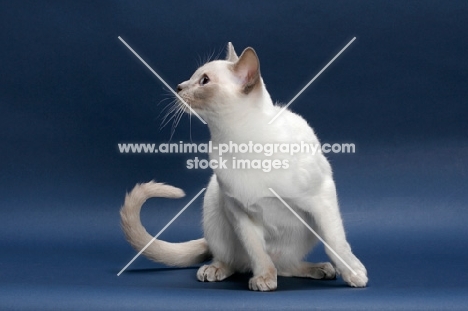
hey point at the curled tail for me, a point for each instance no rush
(172, 254)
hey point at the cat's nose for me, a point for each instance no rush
(179, 88)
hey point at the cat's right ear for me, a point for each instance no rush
(231, 55)
(247, 70)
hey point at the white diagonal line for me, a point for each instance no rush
(310, 82)
(313, 231)
(161, 79)
(161, 231)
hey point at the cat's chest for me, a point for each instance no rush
(248, 166)
(249, 186)
(246, 185)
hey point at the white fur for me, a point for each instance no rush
(246, 227)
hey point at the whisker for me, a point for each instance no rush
(172, 107)
(221, 50)
(208, 57)
(199, 61)
(164, 101)
(166, 120)
(190, 125)
(179, 114)
(212, 55)
(179, 117)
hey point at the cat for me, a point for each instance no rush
(246, 227)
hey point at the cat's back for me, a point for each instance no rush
(292, 127)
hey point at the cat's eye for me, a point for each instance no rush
(204, 80)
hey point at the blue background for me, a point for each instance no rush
(70, 91)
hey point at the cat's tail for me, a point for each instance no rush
(172, 254)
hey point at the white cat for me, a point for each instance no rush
(246, 227)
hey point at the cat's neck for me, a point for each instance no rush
(241, 117)
(239, 121)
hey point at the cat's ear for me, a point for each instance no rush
(247, 70)
(231, 55)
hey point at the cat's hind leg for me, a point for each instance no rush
(317, 271)
(214, 272)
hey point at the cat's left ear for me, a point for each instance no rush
(231, 55)
(247, 70)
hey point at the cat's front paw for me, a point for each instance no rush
(265, 282)
(355, 280)
(213, 273)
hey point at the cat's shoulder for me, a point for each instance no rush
(288, 115)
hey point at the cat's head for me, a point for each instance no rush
(224, 85)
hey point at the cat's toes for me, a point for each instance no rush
(212, 273)
(355, 280)
(322, 271)
(264, 283)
